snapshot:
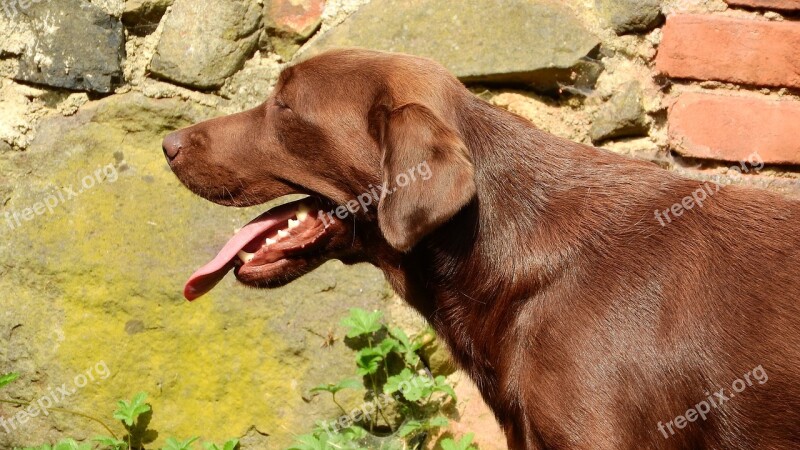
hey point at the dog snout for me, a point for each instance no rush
(172, 145)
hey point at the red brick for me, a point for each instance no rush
(773, 4)
(744, 51)
(732, 128)
(297, 17)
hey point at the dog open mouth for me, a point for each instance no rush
(274, 248)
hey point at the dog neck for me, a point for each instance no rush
(469, 278)
(473, 281)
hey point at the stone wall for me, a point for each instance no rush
(89, 88)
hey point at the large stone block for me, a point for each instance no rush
(75, 45)
(98, 278)
(532, 42)
(206, 41)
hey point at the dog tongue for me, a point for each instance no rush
(206, 277)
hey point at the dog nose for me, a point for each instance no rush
(172, 145)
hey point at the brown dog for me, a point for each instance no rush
(593, 305)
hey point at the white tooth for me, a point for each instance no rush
(282, 234)
(245, 257)
(302, 212)
(270, 241)
(293, 223)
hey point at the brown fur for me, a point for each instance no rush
(582, 320)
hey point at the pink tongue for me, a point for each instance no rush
(206, 277)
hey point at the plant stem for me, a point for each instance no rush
(377, 405)
(66, 411)
(372, 420)
(375, 392)
(333, 394)
(386, 372)
(380, 410)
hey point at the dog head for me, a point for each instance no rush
(372, 138)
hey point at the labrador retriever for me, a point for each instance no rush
(594, 307)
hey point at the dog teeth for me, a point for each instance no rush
(270, 241)
(245, 257)
(282, 234)
(294, 223)
(302, 213)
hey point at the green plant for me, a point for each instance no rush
(174, 444)
(362, 323)
(65, 444)
(111, 443)
(233, 444)
(346, 439)
(334, 388)
(465, 443)
(129, 414)
(7, 379)
(406, 399)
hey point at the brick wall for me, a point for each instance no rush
(738, 73)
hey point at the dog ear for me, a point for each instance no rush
(427, 174)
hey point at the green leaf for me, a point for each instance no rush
(400, 335)
(438, 422)
(368, 360)
(309, 442)
(441, 385)
(465, 443)
(174, 444)
(412, 386)
(8, 379)
(354, 433)
(361, 322)
(331, 439)
(128, 412)
(111, 443)
(70, 444)
(229, 445)
(410, 426)
(334, 388)
(406, 348)
(347, 438)
(385, 347)
(394, 383)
